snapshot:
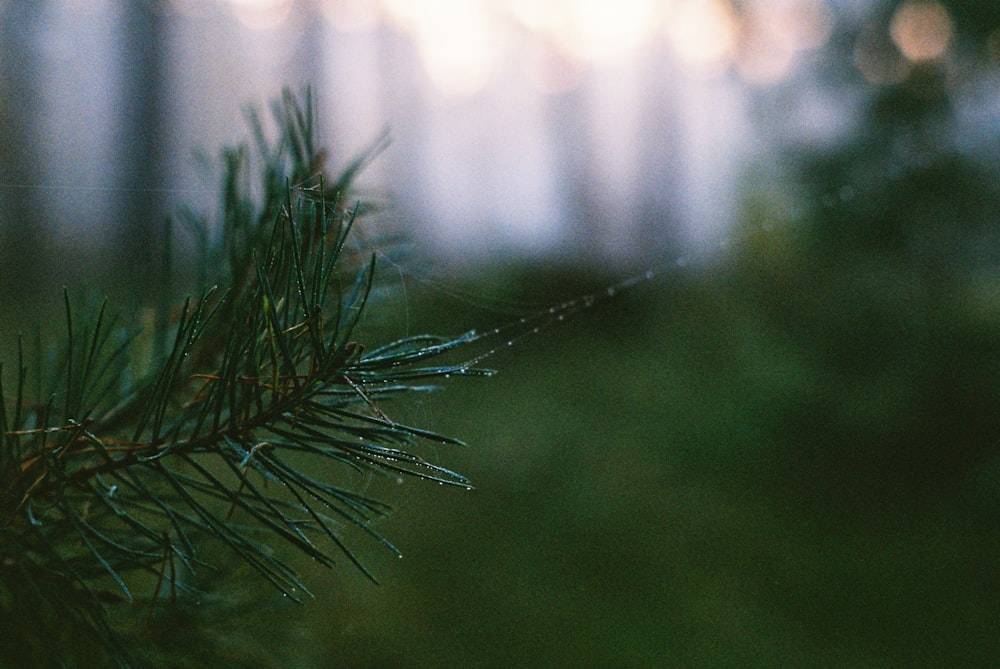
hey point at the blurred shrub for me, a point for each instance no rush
(885, 286)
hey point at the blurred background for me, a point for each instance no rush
(781, 451)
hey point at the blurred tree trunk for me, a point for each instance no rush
(573, 159)
(24, 239)
(140, 219)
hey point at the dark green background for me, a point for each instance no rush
(673, 479)
(785, 456)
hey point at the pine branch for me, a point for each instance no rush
(260, 393)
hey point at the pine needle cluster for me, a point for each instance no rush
(117, 468)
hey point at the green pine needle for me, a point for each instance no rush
(118, 466)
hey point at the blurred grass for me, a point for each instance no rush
(672, 479)
(752, 466)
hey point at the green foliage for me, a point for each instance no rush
(127, 452)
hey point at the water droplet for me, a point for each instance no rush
(611, 291)
(648, 274)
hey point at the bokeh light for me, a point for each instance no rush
(595, 31)
(465, 44)
(876, 63)
(703, 33)
(460, 41)
(351, 16)
(921, 30)
(775, 32)
(261, 14)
